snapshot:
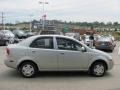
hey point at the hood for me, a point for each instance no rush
(101, 53)
(9, 35)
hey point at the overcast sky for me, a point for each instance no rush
(66, 10)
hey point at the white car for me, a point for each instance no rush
(87, 40)
(73, 35)
(56, 53)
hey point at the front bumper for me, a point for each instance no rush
(2, 41)
(110, 65)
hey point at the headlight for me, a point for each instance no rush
(6, 38)
(110, 58)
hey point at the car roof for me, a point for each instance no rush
(104, 39)
(27, 41)
(51, 36)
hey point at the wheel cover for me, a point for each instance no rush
(99, 69)
(28, 70)
(7, 43)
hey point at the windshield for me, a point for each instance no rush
(21, 32)
(6, 32)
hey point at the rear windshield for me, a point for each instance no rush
(104, 39)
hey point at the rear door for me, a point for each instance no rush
(42, 51)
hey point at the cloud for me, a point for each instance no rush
(72, 10)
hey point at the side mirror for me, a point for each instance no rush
(83, 49)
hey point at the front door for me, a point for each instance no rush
(69, 56)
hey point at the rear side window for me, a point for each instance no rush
(43, 42)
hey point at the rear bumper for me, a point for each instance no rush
(10, 63)
(104, 47)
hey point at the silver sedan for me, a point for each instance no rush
(56, 53)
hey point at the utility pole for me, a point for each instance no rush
(44, 16)
(3, 24)
(2, 20)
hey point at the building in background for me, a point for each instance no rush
(84, 31)
(38, 25)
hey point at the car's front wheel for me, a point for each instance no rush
(6, 43)
(98, 69)
(28, 69)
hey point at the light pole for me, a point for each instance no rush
(31, 23)
(43, 17)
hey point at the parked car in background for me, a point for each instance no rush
(96, 37)
(20, 34)
(110, 36)
(50, 32)
(73, 35)
(56, 53)
(105, 43)
(7, 37)
(87, 40)
(29, 34)
(2, 40)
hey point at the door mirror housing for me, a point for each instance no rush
(83, 49)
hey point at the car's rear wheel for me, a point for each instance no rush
(28, 69)
(98, 69)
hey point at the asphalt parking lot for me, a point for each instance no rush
(10, 80)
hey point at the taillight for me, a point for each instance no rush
(8, 51)
(109, 43)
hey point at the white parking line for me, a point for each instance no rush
(119, 51)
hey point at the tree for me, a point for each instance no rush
(109, 24)
(115, 24)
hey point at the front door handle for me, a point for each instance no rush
(33, 51)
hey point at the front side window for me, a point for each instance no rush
(66, 44)
(43, 42)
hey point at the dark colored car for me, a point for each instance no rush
(105, 43)
(29, 34)
(50, 32)
(20, 34)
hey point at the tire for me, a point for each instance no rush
(111, 50)
(28, 69)
(6, 43)
(98, 69)
(11, 41)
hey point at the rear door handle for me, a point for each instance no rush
(62, 53)
(33, 51)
